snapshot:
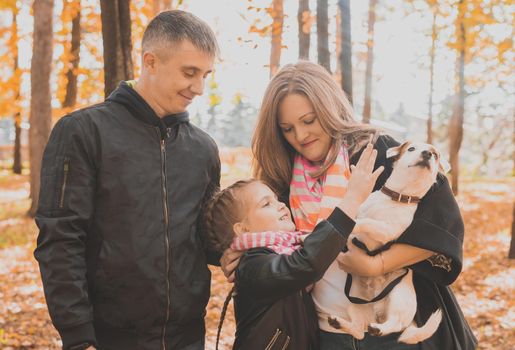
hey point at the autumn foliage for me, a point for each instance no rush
(484, 289)
(477, 35)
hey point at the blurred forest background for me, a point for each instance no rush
(431, 70)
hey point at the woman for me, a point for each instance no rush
(305, 128)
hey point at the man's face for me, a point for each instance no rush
(178, 77)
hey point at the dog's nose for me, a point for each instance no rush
(426, 155)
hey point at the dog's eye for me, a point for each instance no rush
(411, 149)
(435, 155)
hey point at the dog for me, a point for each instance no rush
(381, 219)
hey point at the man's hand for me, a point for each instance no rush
(229, 261)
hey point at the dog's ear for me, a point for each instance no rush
(394, 152)
(443, 165)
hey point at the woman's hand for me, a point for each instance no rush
(358, 262)
(362, 181)
(229, 261)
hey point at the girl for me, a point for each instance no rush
(272, 308)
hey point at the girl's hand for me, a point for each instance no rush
(361, 182)
(229, 261)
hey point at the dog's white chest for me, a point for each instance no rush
(381, 220)
(379, 206)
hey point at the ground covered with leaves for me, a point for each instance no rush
(485, 289)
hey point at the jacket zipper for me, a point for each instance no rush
(274, 339)
(167, 241)
(285, 346)
(66, 169)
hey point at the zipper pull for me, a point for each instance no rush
(66, 168)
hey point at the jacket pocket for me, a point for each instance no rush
(279, 341)
(65, 170)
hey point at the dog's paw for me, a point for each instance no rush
(345, 326)
(333, 322)
(376, 332)
(359, 335)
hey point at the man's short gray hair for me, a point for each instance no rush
(172, 27)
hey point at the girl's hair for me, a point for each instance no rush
(273, 155)
(222, 315)
(222, 212)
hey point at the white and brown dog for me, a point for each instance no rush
(382, 218)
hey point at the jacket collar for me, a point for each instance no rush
(126, 95)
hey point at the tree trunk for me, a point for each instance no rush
(431, 80)
(304, 20)
(116, 34)
(159, 6)
(346, 48)
(70, 98)
(338, 44)
(495, 136)
(370, 61)
(456, 122)
(277, 31)
(40, 102)
(511, 254)
(156, 7)
(324, 57)
(17, 162)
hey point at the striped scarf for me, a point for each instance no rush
(281, 242)
(313, 199)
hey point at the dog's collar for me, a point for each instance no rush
(398, 197)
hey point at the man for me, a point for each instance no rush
(123, 182)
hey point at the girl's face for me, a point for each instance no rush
(301, 128)
(263, 211)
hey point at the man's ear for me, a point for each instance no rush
(396, 151)
(239, 228)
(149, 61)
(443, 165)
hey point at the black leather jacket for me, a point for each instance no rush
(272, 309)
(120, 251)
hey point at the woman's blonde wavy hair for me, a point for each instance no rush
(273, 155)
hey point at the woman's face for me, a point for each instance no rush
(301, 128)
